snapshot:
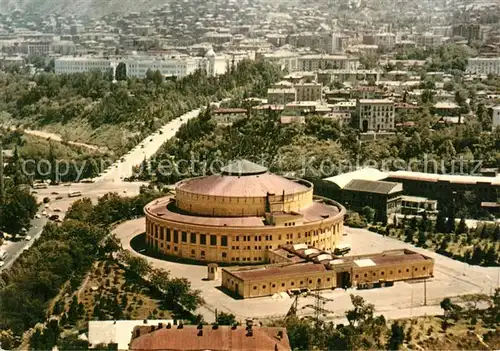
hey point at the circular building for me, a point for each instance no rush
(236, 217)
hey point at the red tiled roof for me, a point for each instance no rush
(221, 339)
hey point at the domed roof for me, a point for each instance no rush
(243, 168)
(242, 179)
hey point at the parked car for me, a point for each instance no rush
(57, 210)
(46, 200)
(27, 238)
(37, 216)
(54, 217)
(54, 193)
(59, 198)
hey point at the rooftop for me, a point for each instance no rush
(243, 168)
(220, 338)
(367, 173)
(433, 177)
(374, 186)
(164, 208)
(117, 332)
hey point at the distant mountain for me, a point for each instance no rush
(91, 8)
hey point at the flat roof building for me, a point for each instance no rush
(303, 268)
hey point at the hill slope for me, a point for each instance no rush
(91, 8)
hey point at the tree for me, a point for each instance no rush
(397, 336)
(160, 279)
(138, 266)
(361, 313)
(72, 342)
(440, 223)
(368, 213)
(121, 71)
(225, 318)
(462, 226)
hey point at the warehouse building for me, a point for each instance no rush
(299, 268)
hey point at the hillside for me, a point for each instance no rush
(91, 8)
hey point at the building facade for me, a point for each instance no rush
(496, 116)
(375, 114)
(236, 217)
(484, 65)
(309, 91)
(321, 62)
(298, 268)
(70, 64)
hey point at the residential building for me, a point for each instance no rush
(484, 65)
(308, 91)
(496, 116)
(226, 116)
(209, 337)
(302, 267)
(427, 40)
(281, 96)
(286, 60)
(468, 31)
(375, 114)
(321, 62)
(446, 108)
(382, 40)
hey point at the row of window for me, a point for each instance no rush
(382, 273)
(175, 235)
(291, 284)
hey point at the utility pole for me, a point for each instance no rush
(425, 291)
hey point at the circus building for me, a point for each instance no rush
(241, 215)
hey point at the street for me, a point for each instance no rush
(110, 181)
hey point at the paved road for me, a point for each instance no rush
(109, 181)
(15, 248)
(451, 279)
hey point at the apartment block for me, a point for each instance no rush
(484, 65)
(309, 91)
(281, 96)
(375, 114)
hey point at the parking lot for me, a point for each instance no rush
(451, 279)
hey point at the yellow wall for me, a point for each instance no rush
(272, 285)
(244, 244)
(231, 206)
(395, 272)
(327, 279)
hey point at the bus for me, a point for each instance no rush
(40, 186)
(74, 194)
(342, 249)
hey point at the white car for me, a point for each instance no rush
(27, 238)
(37, 216)
(2, 263)
(44, 213)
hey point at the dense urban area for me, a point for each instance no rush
(250, 175)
